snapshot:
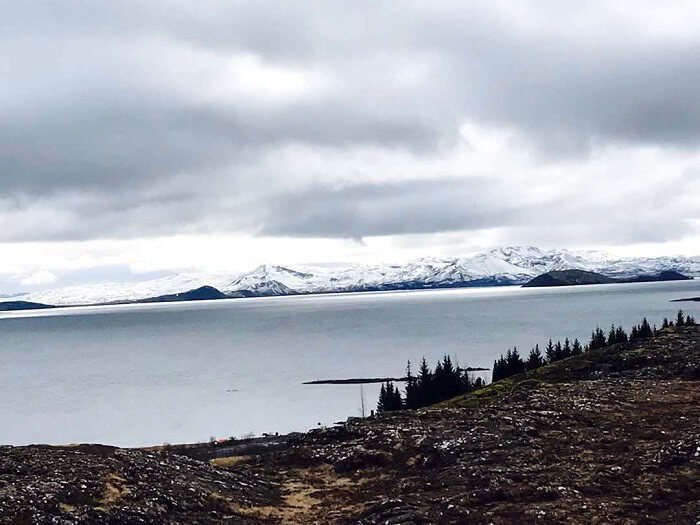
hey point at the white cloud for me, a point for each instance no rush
(39, 278)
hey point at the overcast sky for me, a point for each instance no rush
(138, 138)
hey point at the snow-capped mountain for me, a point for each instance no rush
(506, 265)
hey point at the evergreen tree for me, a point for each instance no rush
(665, 325)
(558, 351)
(451, 381)
(396, 401)
(425, 384)
(616, 335)
(435, 393)
(535, 359)
(382, 403)
(550, 352)
(634, 334)
(566, 349)
(389, 398)
(412, 394)
(507, 366)
(621, 335)
(680, 320)
(516, 365)
(598, 339)
(576, 348)
(689, 320)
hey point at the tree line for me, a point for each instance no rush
(428, 386)
(512, 363)
(448, 380)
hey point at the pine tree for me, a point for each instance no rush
(634, 334)
(516, 365)
(389, 398)
(645, 329)
(425, 384)
(382, 403)
(396, 401)
(535, 359)
(576, 348)
(598, 339)
(411, 388)
(680, 320)
(558, 351)
(566, 349)
(620, 335)
(451, 380)
(550, 352)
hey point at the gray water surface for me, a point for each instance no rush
(146, 374)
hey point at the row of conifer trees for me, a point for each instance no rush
(428, 387)
(449, 380)
(512, 363)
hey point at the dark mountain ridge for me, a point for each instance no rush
(572, 277)
(22, 305)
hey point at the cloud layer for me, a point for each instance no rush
(555, 122)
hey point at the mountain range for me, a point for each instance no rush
(508, 265)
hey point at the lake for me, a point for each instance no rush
(147, 374)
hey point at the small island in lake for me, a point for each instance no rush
(574, 277)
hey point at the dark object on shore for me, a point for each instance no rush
(696, 299)
(574, 277)
(203, 293)
(23, 305)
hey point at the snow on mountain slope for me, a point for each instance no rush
(505, 265)
(108, 292)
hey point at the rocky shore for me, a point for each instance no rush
(611, 436)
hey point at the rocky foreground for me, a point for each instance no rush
(612, 436)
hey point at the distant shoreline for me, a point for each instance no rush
(14, 306)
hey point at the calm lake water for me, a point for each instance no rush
(148, 374)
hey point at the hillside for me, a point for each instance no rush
(572, 277)
(612, 435)
(568, 278)
(7, 306)
(203, 293)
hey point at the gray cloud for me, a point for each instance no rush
(136, 119)
(422, 206)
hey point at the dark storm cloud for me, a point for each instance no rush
(128, 118)
(423, 206)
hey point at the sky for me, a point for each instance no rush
(143, 138)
